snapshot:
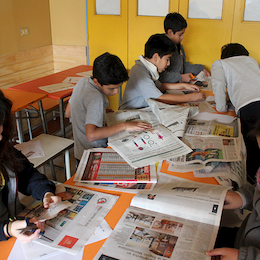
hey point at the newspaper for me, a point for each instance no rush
(172, 117)
(213, 128)
(147, 147)
(105, 165)
(57, 87)
(208, 149)
(178, 220)
(72, 227)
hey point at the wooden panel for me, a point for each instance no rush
(204, 38)
(246, 32)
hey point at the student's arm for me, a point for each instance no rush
(94, 133)
(175, 99)
(68, 110)
(191, 87)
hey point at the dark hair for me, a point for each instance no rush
(7, 153)
(109, 69)
(175, 22)
(255, 132)
(233, 49)
(158, 43)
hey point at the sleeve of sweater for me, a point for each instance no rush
(218, 82)
(249, 253)
(31, 181)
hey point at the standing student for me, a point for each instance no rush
(143, 80)
(246, 245)
(88, 103)
(179, 69)
(238, 76)
(18, 174)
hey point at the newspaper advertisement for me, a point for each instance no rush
(147, 147)
(106, 165)
(213, 128)
(179, 220)
(73, 226)
(208, 149)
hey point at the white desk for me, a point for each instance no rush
(53, 146)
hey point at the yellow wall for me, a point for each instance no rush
(68, 22)
(17, 14)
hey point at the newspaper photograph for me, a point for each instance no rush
(153, 145)
(208, 149)
(178, 221)
(106, 165)
(213, 128)
(74, 225)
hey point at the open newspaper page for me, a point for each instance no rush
(179, 220)
(153, 145)
(213, 128)
(105, 165)
(73, 226)
(172, 117)
(209, 149)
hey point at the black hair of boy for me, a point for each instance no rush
(175, 22)
(158, 43)
(233, 49)
(108, 69)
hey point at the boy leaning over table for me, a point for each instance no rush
(143, 80)
(88, 103)
(179, 69)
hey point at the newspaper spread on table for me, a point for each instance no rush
(172, 117)
(153, 145)
(73, 226)
(105, 165)
(178, 220)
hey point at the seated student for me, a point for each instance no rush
(143, 78)
(247, 239)
(179, 69)
(238, 75)
(88, 103)
(18, 174)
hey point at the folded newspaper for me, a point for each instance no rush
(173, 117)
(178, 220)
(73, 226)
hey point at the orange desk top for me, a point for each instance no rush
(22, 99)
(33, 85)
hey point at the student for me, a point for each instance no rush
(179, 69)
(18, 174)
(143, 80)
(247, 239)
(238, 75)
(88, 104)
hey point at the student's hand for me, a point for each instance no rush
(190, 87)
(136, 126)
(16, 227)
(233, 200)
(49, 199)
(197, 96)
(224, 253)
(185, 77)
(207, 74)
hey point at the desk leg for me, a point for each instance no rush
(19, 126)
(43, 118)
(67, 164)
(62, 123)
